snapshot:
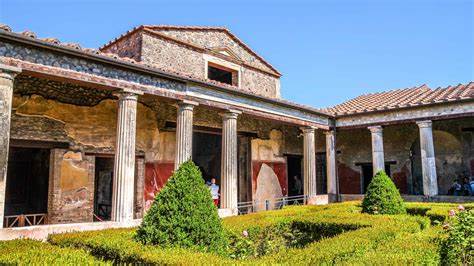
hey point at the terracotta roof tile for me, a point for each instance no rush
(402, 98)
(181, 75)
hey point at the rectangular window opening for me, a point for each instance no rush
(222, 74)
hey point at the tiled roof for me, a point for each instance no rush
(403, 98)
(178, 75)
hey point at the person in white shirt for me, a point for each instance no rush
(214, 188)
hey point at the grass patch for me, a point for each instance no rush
(36, 252)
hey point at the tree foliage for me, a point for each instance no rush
(382, 196)
(183, 214)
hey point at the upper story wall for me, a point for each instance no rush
(191, 51)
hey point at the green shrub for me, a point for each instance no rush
(382, 196)
(183, 215)
(458, 247)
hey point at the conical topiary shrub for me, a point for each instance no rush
(382, 196)
(183, 214)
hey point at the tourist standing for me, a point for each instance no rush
(214, 188)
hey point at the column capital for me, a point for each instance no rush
(308, 129)
(9, 72)
(128, 94)
(424, 123)
(375, 129)
(231, 114)
(186, 104)
(329, 132)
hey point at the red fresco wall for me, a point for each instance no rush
(349, 180)
(156, 175)
(400, 179)
(280, 170)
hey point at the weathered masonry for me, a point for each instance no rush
(93, 135)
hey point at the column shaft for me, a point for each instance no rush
(184, 133)
(428, 160)
(229, 162)
(331, 165)
(378, 161)
(124, 164)
(7, 75)
(309, 162)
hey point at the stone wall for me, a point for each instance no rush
(216, 39)
(163, 53)
(130, 47)
(71, 187)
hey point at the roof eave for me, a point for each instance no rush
(145, 69)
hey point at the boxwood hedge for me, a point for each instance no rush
(344, 236)
(27, 252)
(347, 237)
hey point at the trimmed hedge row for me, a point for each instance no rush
(436, 212)
(28, 252)
(377, 239)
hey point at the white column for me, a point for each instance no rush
(124, 164)
(309, 163)
(7, 75)
(378, 161)
(229, 162)
(428, 161)
(331, 165)
(184, 132)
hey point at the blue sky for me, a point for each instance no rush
(328, 51)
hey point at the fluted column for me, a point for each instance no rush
(309, 163)
(378, 161)
(124, 164)
(184, 132)
(331, 165)
(428, 160)
(7, 75)
(229, 162)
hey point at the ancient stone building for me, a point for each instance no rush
(93, 135)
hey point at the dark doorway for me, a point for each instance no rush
(368, 173)
(321, 179)
(27, 181)
(245, 180)
(104, 172)
(415, 187)
(207, 154)
(295, 177)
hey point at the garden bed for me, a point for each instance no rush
(336, 233)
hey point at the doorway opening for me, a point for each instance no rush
(207, 155)
(26, 193)
(295, 177)
(104, 172)
(321, 178)
(244, 169)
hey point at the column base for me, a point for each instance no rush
(332, 198)
(318, 200)
(227, 212)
